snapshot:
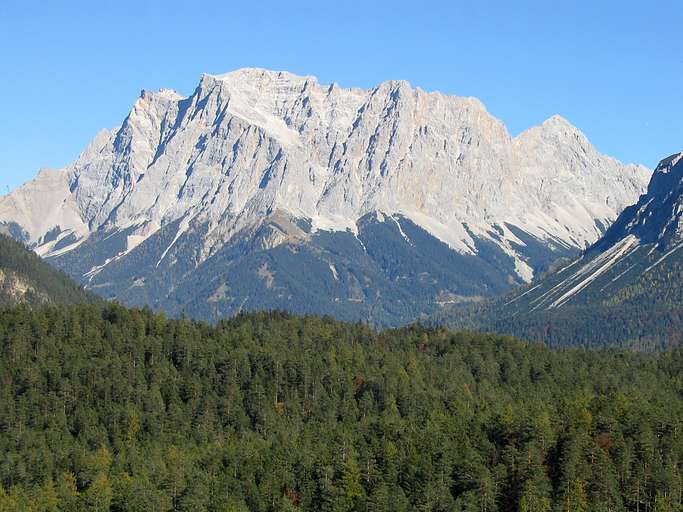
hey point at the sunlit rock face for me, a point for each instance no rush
(263, 160)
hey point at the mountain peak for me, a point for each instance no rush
(259, 76)
(169, 94)
(669, 163)
(557, 120)
(667, 178)
(560, 124)
(181, 181)
(555, 127)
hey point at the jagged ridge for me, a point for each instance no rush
(625, 288)
(253, 144)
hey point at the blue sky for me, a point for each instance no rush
(613, 68)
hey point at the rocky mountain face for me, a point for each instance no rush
(266, 189)
(643, 241)
(626, 286)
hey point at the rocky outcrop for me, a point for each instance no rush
(253, 145)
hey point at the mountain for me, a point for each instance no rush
(264, 189)
(625, 287)
(26, 278)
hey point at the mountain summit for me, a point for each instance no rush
(267, 189)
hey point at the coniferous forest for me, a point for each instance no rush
(106, 408)
(334, 257)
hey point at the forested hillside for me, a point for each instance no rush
(105, 408)
(24, 277)
(637, 304)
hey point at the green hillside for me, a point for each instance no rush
(25, 278)
(106, 408)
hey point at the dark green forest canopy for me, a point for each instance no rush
(106, 408)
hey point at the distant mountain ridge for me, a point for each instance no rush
(266, 189)
(627, 287)
(643, 239)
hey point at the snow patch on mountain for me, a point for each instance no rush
(595, 269)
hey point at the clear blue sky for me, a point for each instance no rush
(613, 68)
